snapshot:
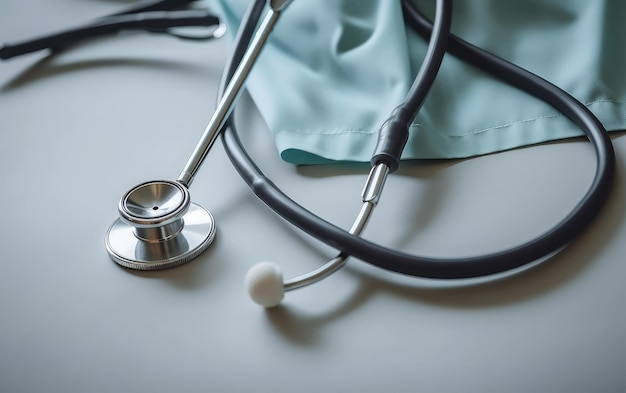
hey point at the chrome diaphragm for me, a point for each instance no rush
(159, 227)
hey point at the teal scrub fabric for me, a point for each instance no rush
(334, 70)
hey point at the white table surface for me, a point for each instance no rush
(80, 128)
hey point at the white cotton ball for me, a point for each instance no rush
(264, 282)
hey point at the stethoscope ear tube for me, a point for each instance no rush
(443, 268)
(394, 133)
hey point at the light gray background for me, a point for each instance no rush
(82, 127)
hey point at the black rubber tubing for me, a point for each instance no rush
(444, 268)
(394, 133)
(149, 21)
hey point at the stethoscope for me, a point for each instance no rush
(159, 227)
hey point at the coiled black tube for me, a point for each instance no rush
(445, 268)
(152, 15)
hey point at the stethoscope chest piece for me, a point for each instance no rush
(159, 227)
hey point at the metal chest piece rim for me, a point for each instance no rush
(159, 227)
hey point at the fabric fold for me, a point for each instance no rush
(334, 69)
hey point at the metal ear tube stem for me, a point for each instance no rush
(370, 196)
(264, 280)
(226, 104)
